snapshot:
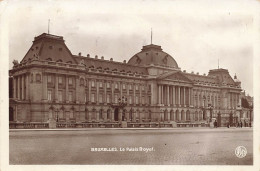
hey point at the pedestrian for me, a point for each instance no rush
(241, 124)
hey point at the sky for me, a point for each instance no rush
(196, 34)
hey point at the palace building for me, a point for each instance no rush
(52, 85)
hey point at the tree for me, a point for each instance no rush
(245, 103)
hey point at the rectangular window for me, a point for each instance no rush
(136, 100)
(100, 84)
(70, 96)
(116, 98)
(60, 96)
(150, 100)
(49, 95)
(124, 86)
(116, 86)
(100, 98)
(136, 87)
(150, 87)
(130, 100)
(108, 85)
(130, 87)
(143, 100)
(70, 81)
(86, 97)
(92, 97)
(92, 83)
(60, 80)
(49, 78)
(143, 87)
(108, 98)
(71, 114)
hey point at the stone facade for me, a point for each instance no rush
(50, 83)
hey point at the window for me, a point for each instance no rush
(136, 87)
(123, 86)
(70, 96)
(143, 87)
(100, 84)
(101, 114)
(92, 97)
(116, 86)
(31, 77)
(150, 100)
(71, 114)
(49, 95)
(100, 98)
(143, 100)
(81, 81)
(130, 87)
(49, 78)
(70, 81)
(60, 80)
(108, 85)
(38, 77)
(136, 100)
(150, 87)
(108, 98)
(130, 100)
(92, 83)
(60, 96)
(61, 115)
(116, 98)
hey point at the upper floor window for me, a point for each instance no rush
(116, 98)
(100, 84)
(49, 95)
(136, 100)
(100, 98)
(82, 81)
(130, 87)
(136, 87)
(116, 85)
(130, 100)
(49, 78)
(108, 98)
(70, 81)
(60, 80)
(123, 86)
(92, 83)
(60, 96)
(70, 96)
(92, 97)
(143, 87)
(108, 84)
(38, 77)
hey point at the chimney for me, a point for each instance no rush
(111, 59)
(79, 53)
(96, 57)
(124, 61)
(88, 55)
(102, 57)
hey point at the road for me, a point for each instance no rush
(181, 146)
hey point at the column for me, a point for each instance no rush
(105, 92)
(159, 94)
(191, 97)
(22, 87)
(121, 88)
(168, 96)
(112, 113)
(179, 95)
(162, 94)
(67, 89)
(173, 95)
(14, 87)
(134, 94)
(56, 87)
(119, 114)
(140, 98)
(77, 89)
(184, 99)
(112, 94)
(97, 100)
(18, 88)
(44, 87)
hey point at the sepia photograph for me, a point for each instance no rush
(143, 84)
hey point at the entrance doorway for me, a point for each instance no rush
(11, 114)
(116, 114)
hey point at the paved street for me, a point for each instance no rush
(197, 146)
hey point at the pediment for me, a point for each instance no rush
(174, 76)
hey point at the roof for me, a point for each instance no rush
(153, 55)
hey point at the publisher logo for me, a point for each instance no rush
(240, 151)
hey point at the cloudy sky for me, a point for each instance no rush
(196, 34)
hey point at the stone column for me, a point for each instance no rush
(120, 114)
(127, 116)
(162, 94)
(179, 95)
(191, 97)
(168, 96)
(134, 117)
(77, 89)
(134, 95)
(14, 87)
(22, 87)
(67, 89)
(44, 87)
(105, 92)
(173, 95)
(97, 115)
(18, 88)
(56, 88)
(184, 96)
(159, 94)
(97, 100)
(112, 93)
(89, 90)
